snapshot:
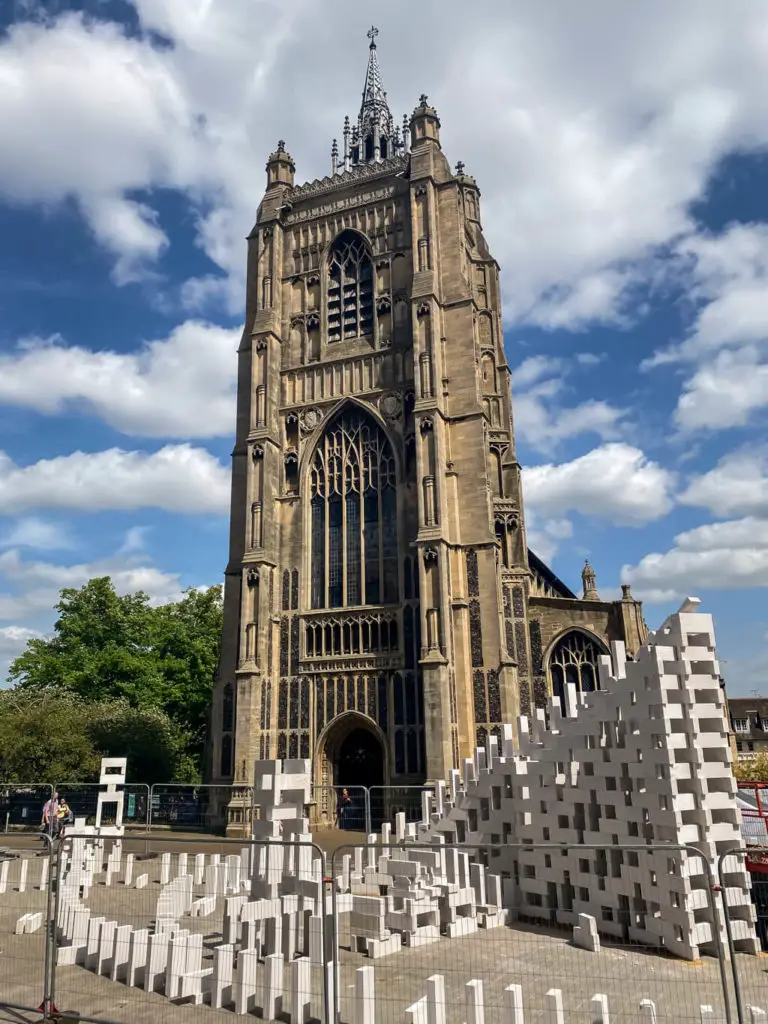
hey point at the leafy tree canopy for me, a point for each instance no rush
(752, 769)
(120, 652)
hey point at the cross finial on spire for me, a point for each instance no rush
(372, 33)
(459, 168)
(423, 99)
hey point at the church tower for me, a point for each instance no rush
(382, 614)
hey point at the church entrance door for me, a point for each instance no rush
(351, 756)
(359, 761)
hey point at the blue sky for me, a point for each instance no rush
(621, 155)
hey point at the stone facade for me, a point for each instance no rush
(383, 613)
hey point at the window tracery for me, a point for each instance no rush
(574, 659)
(350, 289)
(353, 502)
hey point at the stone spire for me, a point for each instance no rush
(374, 137)
(589, 583)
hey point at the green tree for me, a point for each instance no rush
(107, 647)
(752, 769)
(44, 737)
(56, 736)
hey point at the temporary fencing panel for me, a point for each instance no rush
(388, 801)
(22, 803)
(208, 809)
(742, 911)
(200, 920)
(26, 870)
(342, 807)
(83, 799)
(471, 934)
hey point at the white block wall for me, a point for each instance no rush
(645, 758)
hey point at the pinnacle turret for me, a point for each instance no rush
(374, 137)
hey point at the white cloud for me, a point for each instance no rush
(615, 482)
(130, 231)
(725, 392)
(727, 278)
(542, 416)
(14, 638)
(544, 537)
(738, 485)
(33, 532)
(177, 478)
(716, 556)
(182, 386)
(595, 139)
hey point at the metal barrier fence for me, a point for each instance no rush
(83, 799)
(387, 801)
(21, 804)
(521, 959)
(750, 988)
(342, 807)
(196, 919)
(26, 868)
(211, 809)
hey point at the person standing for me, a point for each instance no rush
(51, 815)
(63, 816)
(345, 808)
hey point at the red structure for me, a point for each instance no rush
(754, 824)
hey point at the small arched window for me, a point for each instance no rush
(575, 659)
(226, 756)
(227, 708)
(350, 288)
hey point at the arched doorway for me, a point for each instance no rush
(351, 753)
(359, 761)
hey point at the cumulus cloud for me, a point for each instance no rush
(738, 485)
(14, 638)
(542, 416)
(723, 555)
(615, 482)
(727, 344)
(588, 161)
(180, 386)
(36, 533)
(177, 478)
(724, 392)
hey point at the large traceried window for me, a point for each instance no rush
(574, 659)
(350, 288)
(353, 515)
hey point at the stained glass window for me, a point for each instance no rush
(354, 515)
(574, 659)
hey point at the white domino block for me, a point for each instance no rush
(301, 990)
(473, 993)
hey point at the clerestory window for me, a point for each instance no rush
(575, 659)
(350, 288)
(353, 502)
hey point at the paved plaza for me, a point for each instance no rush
(534, 957)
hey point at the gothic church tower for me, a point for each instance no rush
(379, 593)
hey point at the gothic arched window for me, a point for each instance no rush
(350, 288)
(353, 500)
(574, 659)
(227, 708)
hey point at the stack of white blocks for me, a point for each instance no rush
(645, 758)
(271, 898)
